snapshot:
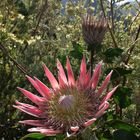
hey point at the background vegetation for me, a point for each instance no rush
(36, 31)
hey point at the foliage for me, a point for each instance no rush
(36, 31)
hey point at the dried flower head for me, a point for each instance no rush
(93, 30)
(70, 105)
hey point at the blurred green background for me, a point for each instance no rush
(37, 31)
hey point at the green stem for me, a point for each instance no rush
(91, 59)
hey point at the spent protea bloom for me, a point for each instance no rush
(93, 30)
(70, 105)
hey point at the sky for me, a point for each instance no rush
(129, 0)
(119, 3)
(124, 1)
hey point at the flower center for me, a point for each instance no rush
(69, 107)
(66, 101)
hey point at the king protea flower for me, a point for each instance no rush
(93, 30)
(70, 105)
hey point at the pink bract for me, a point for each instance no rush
(70, 105)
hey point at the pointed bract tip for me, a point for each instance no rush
(44, 66)
(58, 63)
(83, 60)
(84, 57)
(19, 88)
(68, 60)
(101, 62)
(75, 129)
(99, 65)
(106, 103)
(17, 102)
(57, 60)
(35, 78)
(16, 106)
(90, 122)
(28, 77)
(106, 106)
(21, 121)
(111, 72)
(116, 88)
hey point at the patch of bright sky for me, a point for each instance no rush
(124, 1)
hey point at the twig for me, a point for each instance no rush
(111, 33)
(112, 14)
(40, 15)
(133, 46)
(91, 60)
(4, 50)
(134, 20)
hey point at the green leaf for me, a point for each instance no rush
(59, 137)
(118, 124)
(111, 53)
(106, 135)
(88, 134)
(21, 7)
(122, 96)
(39, 136)
(33, 136)
(118, 72)
(77, 51)
(124, 135)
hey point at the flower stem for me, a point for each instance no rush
(91, 60)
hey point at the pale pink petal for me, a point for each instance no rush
(105, 83)
(61, 72)
(51, 78)
(35, 99)
(34, 111)
(87, 78)
(23, 104)
(71, 79)
(102, 105)
(32, 122)
(44, 89)
(108, 96)
(74, 129)
(82, 70)
(45, 131)
(50, 132)
(102, 110)
(90, 122)
(95, 78)
(41, 106)
(96, 75)
(35, 129)
(61, 81)
(32, 81)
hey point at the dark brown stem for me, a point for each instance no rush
(112, 14)
(130, 52)
(111, 33)
(133, 46)
(44, 7)
(4, 50)
(134, 20)
(120, 111)
(91, 60)
(127, 60)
